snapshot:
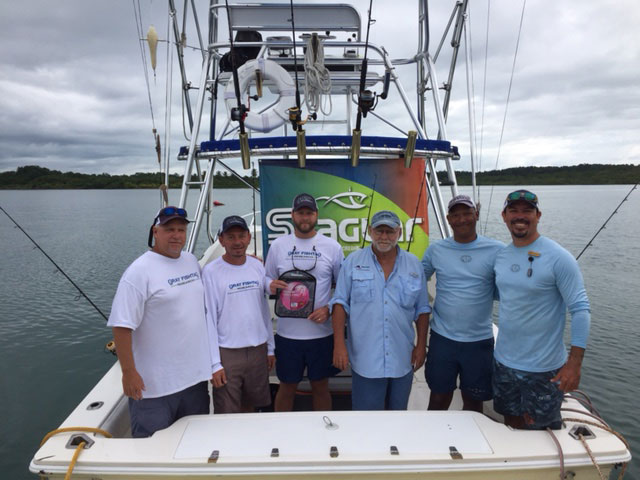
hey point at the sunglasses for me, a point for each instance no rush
(528, 196)
(167, 211)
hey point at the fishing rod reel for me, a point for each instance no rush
(301, 140)
(368, 100)
(295, 117)
(238, 114)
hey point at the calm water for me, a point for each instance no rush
(52, 342)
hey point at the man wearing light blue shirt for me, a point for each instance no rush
(381, 290)
(461, 342)
(538, 282)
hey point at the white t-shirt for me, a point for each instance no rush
(237, 306)
(327, 258)
(162, 300)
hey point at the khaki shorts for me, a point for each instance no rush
(247, 380)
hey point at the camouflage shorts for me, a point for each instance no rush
(516, 393)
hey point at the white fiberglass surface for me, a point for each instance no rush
(359, 435)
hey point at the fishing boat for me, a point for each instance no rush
(269, 91)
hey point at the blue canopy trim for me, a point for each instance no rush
(325, 144)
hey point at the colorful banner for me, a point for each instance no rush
(346, 198)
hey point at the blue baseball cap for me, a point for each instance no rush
(304, 200)
(524, 195)
(385, 217)
(233, 221)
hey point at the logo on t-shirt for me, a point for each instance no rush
(243, 286)
(183, 280)
(515, 267)
(465, 258)
(303, 254)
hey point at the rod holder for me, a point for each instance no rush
(244, 150)
(356, 137)
(301, 142)
(259, 82)
(410, 148)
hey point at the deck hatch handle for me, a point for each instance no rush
(455, 454)
(275, 453)
(393, 450)
(333, 452)
(213, 458)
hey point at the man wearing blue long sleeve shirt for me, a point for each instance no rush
(382, 291)
(461, 342)
(538, 282)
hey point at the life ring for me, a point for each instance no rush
(275, 115)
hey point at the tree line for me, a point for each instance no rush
(33, 177)
(36, 177)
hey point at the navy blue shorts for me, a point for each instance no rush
(293, 356)
(152, 414)
(517, 393)
(472, 361)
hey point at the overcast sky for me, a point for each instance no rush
(73, 94)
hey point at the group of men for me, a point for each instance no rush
(177, 327)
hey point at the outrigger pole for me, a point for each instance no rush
(239, 113)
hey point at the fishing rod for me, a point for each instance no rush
(295, 113)
(239, 113)
(54, 263)
(373, 192)
(415, 214)
(255, 237)
(606, 221)
(367, 100)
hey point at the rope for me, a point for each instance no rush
(317, 80)
(506, 107)
(585, 401)
(80, 446)
(602, 426)
(581, 412)
(74, 459)
(560, 452)
(590, 453)
(74, 429)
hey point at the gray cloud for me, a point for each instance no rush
(73, 97)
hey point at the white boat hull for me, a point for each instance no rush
(363, 442)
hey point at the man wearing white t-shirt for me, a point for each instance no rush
(304, 342)
(160, 330)
(238, 312)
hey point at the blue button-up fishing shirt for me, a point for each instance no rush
(381, 313)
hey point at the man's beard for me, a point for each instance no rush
(385, 247)
(311, 227)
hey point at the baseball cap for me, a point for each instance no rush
(165, 215)
(304, 200)
(524, 195)
(460, 200)
(385, 217)
(233, 221)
